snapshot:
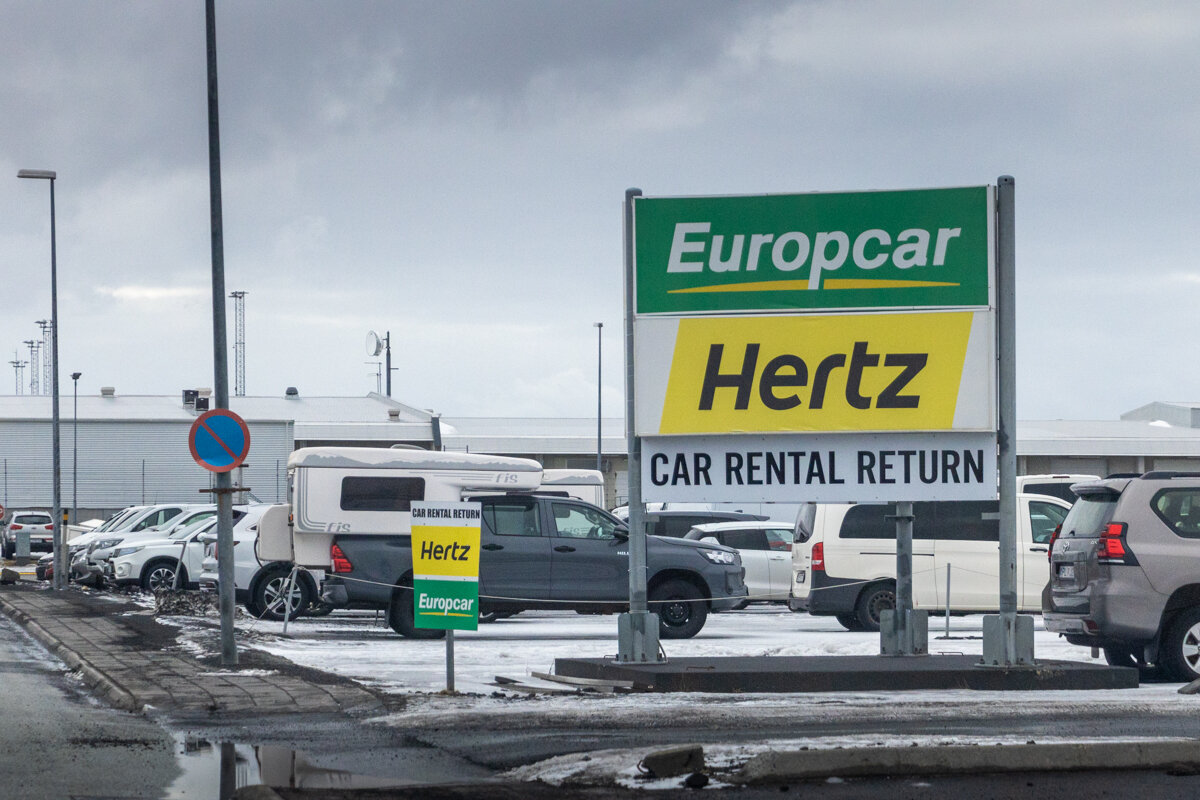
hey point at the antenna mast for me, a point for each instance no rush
(17, 365)
(239, 343)
(34, 346)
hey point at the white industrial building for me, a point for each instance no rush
(133, 449)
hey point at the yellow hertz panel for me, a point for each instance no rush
(865, 372)
(445, 551)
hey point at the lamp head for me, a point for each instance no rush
(44, 174)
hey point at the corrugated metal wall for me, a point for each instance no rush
(129, 463)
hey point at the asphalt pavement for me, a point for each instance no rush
(131, 660)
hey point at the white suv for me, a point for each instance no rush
(40, 526)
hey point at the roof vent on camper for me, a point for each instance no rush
(108, 391)
(292, 392)
(394, 414)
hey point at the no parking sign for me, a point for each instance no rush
(219, 440)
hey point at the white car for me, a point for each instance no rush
(262, 586)
(38, 524)
(90, 551)
(766, 550)
(152, 562)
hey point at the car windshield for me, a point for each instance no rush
(1089, 514)
(189, 529)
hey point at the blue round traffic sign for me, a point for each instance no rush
(219, 440)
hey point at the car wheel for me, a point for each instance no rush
(682, 610)
(158, 575)
(1180, 653)
(1123, 656)
(272, 599)
(874, 599)
(401, 618)
(850, 622)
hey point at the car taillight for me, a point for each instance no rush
(1053, 539)
(339, 560)
(15, 527)
(818, 557)
(1111, 547)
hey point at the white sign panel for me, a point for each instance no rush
(822, 468)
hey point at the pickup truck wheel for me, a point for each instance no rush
(400, 617)
(874, 599)
(271, 598)
(1180, 653)
(160, 575)
(682, 610)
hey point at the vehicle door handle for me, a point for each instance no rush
(1037, 549)
(492, 547)
(564, 548)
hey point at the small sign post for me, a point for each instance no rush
(445, 548)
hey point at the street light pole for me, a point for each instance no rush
(599, 387)
(75, 452)
(60, 560)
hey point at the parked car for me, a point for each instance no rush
(678, 523)
(766, 551)
(844, 557)
(38, 524)
(1125, 572)
(91, 550)
(541, 552)
(261, 586)
(151, 561)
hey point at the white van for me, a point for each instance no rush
(844, 555)
(582, 484)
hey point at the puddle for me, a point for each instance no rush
(215, 770)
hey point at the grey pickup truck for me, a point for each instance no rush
(544, 552)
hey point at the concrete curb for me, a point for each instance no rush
(96, 679)
(954, 759)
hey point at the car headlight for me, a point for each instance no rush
(104, 544)
(720, 556)
(126, 551)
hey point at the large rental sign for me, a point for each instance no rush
(445, 551)
(832, 314)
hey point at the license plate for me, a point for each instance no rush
(799, 576)
(1066, 572)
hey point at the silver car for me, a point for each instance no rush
(1125, 572)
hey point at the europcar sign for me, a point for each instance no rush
(445, 549)
(867, 250)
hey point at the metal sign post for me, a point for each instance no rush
(1007, 638)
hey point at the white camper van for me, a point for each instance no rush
(582, 484)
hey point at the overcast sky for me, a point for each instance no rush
(453, 172)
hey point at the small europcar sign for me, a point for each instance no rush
(445, 548)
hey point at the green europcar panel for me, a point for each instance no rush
(922, 248)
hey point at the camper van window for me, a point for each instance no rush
(512, 518)
(381, 494)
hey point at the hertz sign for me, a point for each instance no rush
(865, 313)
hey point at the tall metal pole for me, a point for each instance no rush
(599, 385)
(75, 376)
(637, 631)
(224, 482)
(1006, 294)
(387, 347)
(60, 560)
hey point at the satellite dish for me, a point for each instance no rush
(374, 344)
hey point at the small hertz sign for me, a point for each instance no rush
(445, 548)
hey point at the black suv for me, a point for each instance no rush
(546, 552)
